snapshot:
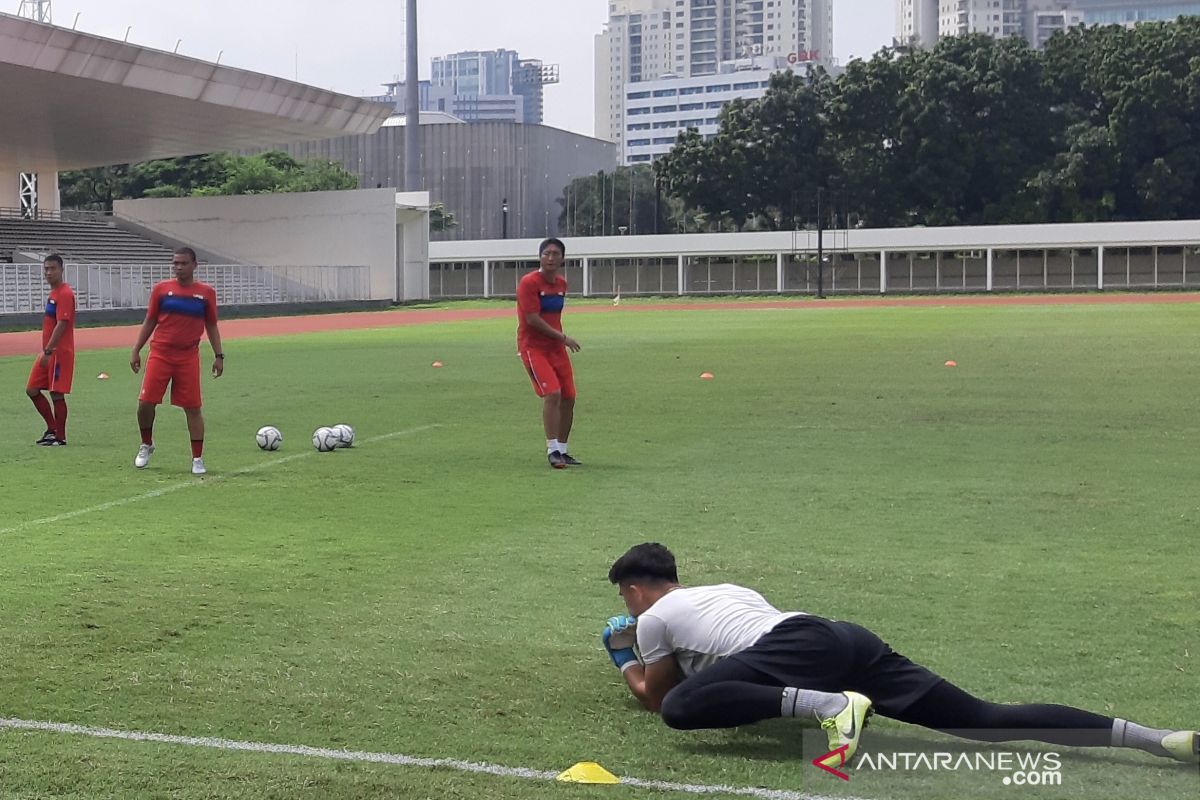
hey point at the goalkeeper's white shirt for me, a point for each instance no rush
(701, 625)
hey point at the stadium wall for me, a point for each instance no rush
(377, 228)
(472, 169)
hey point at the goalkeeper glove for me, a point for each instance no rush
(622, 657)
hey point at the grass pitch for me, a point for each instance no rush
(1024, 524)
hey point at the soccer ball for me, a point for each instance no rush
(325, 439)
(345, 434)
(268, 437)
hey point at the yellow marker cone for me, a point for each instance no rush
(103, 376)
(588, 772)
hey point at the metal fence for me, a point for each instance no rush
(64, 215)
(844, 272)
(127, 286)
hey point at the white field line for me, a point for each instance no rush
(194, 482)
(393, 758)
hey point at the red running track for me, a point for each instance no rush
(29, 342)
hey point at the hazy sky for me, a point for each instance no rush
(353, 47)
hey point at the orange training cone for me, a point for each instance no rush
(951, 363)
(706, 376)
(437, 364)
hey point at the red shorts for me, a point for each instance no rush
(549, 371)
(181, 370)
(56, 376)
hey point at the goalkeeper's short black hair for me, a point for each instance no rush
(650, 561)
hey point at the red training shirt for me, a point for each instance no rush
(181, 312)
(546, 297)
(59, 306)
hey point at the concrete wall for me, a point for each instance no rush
(472, 169)
(10, 189)
(301, 229)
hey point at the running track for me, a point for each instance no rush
(28, 342)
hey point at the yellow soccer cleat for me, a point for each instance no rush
(846, 727)
(1183, 746)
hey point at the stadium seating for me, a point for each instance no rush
(79, 242)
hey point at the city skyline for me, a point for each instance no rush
(371, 49)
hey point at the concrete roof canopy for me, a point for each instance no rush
(72, 100)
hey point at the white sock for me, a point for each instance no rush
(1130, 734)
(806, 702)
(562, 446)
(552, 446)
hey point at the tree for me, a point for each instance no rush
(440, 219)
(200, 176)
(604, 203)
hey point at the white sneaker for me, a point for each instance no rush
(143, 456)
(198, 466)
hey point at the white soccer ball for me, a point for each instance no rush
(345, 435)
(268, 437)
(325, 439)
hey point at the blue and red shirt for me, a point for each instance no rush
(60, 306)
(182, 312)
(545, 296)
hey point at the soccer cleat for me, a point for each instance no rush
(556, 460)
(198, 466)
(570, 460)
(845, 728)
(47, 436)
(143, 456)
(1183, 746)
(52, 442)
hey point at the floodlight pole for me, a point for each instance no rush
(37, 10)
(820, 250)
(412, 105)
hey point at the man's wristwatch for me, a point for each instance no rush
(219, 355)
(48, 352)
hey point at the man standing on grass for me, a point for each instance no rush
(543, 348)
(180, 311)
(722, 656)
(55, 367)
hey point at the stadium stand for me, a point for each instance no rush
(78, 242)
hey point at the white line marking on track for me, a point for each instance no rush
(394, 759)
(195, 482)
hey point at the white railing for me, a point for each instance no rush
(1080, 257)
(127, 286)
(63, 215)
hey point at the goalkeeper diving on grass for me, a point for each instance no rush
(722, 656)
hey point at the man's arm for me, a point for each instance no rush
(541, 326)
(59, 329)
(135, 359)
(214, 339)
(651, 683)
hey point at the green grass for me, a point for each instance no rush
(1023, 524)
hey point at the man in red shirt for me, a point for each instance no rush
(543, 349)
(55, 367)
(180, 311)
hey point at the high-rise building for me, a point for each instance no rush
(920, 23)
(496, 74)
(482, 86)
(645, 40)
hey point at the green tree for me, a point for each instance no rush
(604, 203)
(198, 176)
(440, 219)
